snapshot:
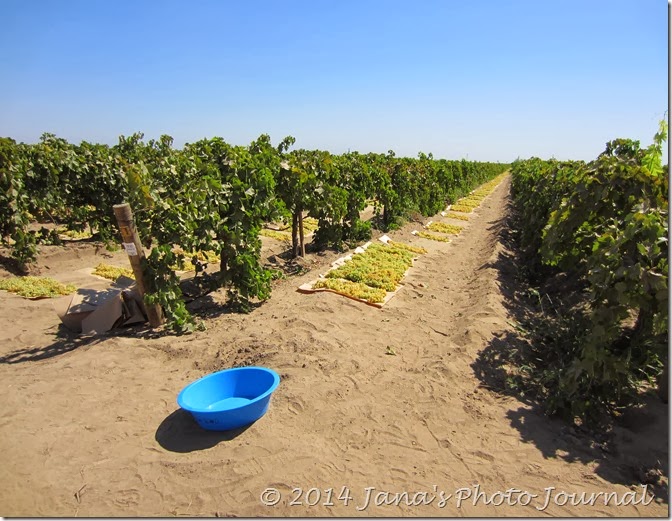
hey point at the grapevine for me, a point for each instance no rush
(213, 196)
(605, 224)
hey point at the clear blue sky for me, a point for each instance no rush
(484, 79)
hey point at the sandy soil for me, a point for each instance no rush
(91, 427)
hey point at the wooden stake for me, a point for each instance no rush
(303, 246)
(295, 235)
(133, 247)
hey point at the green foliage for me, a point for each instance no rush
(300, 182)
(15, 203)
(355, 178)
(604, 223)
(537, 187)
(212, 196)
(53, 180)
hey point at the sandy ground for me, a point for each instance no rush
(91, 427)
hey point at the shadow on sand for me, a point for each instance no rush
(179, 432)
(631, 450)
(65, 342)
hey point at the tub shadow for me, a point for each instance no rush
(179, 432)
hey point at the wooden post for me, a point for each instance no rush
(133, 247)
(303, 246)
(295, 234)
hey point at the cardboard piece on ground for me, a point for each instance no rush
(132, 308)
(72, 318)
(105, 316)
(92, 312)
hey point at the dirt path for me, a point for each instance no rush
(92, 429)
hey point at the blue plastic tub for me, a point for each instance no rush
(230, 398)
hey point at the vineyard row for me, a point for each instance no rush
(604, 224)
(213, 196)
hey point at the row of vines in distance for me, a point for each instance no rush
(214, 196)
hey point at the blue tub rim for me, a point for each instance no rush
(273, 387)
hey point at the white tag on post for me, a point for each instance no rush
(130, 248)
